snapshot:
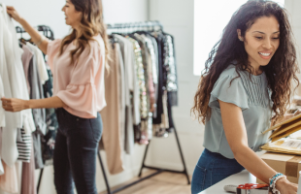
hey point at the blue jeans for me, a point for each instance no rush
(212, 168)
(75, 153)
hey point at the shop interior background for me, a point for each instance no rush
(179, 18)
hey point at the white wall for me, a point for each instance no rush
(49, 12)
(293, 7)
(45, 12)
(115, 11)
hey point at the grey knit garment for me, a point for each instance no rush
(252, 95)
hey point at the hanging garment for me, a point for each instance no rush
(111, 137)
(140, 79)
(37, 150)
(48, 144)
(127, 59)
(146, 125)
(2, 111)
(2, 61)
(24, 145)
(160, 45)
(143, 101)
(164, 116)
(147, 72)
(28, 176)
(12, 75)
(1, 165)
(169, 77)
(122, 98)
(153, 52)
(52, 123)
(36, 91)
(170, 101)
(51, 119)
(130, 62)
(9, 146)
(6, 55)
(151, 71)
(9, 181)
(27, 58)
(172, 81)
(42, 70)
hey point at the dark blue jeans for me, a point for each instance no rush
(75, 153)
(212, 168)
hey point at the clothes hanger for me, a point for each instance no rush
(20, 31)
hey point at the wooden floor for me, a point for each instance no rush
(163, 183)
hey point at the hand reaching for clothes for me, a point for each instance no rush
(12, 12)
(13, 104)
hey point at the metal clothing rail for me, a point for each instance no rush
(47, 31)
(136, 26)
(130, 28)
(158, 170)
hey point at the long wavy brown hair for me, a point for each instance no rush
(91, 25)
(280, 71)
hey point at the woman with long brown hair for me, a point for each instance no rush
(246, 84)
(77, 63)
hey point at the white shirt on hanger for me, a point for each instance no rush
(15, 79)
(14, 83)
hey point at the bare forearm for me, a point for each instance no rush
(53, 102)
(35, 35)
(252, 162)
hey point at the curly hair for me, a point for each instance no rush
(280, 71)
(91, 25)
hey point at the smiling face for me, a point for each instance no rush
(73, 17)
(261, 41)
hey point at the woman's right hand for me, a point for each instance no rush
(286, 187)
(13, 13)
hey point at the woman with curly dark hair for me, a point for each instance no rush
(245, 85)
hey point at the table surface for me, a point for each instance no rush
(236, 179)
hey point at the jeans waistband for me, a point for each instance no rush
(215, 154)
(68, 120)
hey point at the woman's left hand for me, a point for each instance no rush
(13, 104)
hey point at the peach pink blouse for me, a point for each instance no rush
(80, 85)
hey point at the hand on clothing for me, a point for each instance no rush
(12, 12)
(13, 104)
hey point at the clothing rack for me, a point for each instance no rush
(124, 28)
(47, 32)
(129, 28)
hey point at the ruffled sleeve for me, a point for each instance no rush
(53, 49)
(81, 95)
(234, 93)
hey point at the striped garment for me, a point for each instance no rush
(24, 145)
